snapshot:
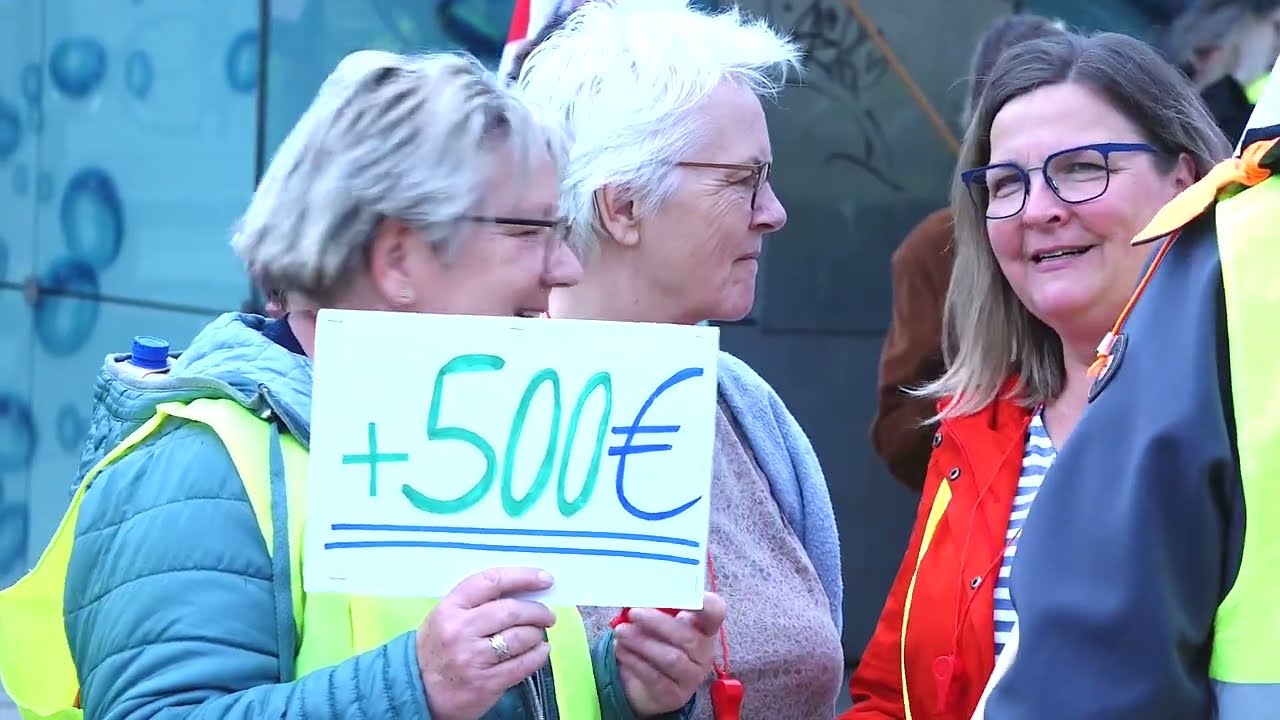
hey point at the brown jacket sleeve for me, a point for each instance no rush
(912, 352)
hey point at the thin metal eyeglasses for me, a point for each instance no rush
(759, 173)
(1076, 175)
(558, 228)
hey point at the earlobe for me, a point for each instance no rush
(618, 215)
(389, 262)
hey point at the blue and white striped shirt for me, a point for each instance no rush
(1036, 460)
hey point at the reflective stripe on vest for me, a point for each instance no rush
(1253, 91)
(35, 658)
(1245, 664)
(941, 499)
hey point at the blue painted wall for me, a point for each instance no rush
(126, 149)
(128, 133)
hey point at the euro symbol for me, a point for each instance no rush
(627, 448)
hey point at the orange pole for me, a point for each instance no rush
(921, 100)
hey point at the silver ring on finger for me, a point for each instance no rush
(499, 645)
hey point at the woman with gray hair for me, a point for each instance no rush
(1074, 146)
(411, 184)
(667, 186)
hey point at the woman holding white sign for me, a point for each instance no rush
(668, 188)
(410, 184)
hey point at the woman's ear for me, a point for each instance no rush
(394, 246)
(618, 214)
(1184, 173)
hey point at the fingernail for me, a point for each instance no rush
(545, 577)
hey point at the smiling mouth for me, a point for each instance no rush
(1058, 254)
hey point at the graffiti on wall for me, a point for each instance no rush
(838, 47)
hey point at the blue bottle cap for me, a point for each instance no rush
(150, 352)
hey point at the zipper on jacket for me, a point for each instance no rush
(533, 689)
(545, 690)
(275, 409)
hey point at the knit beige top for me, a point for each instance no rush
(783, 645)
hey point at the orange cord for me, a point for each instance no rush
(1109, 340)
(890, 57)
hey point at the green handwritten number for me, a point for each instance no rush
(517, 507)
(436, 431)
(374, 458)
(569, 508)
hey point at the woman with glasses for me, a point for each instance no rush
(920, 269)
(668, 191)
(1074, 146)
(411, 184)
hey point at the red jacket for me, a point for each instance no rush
(979, 459)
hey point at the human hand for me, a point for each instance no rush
(663, 659)
(478, 642)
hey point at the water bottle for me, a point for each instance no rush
(149, 356)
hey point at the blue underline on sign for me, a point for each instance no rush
(534, 549)
(530, 532)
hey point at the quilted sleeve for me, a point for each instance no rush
(170, 609)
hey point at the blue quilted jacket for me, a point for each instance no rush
(173, 607)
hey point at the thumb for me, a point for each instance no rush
(494, 583)
(708, 620)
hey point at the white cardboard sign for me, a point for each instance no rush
(442, 445)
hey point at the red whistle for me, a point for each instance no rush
(625, 616)
(726, 698)
(948, 680)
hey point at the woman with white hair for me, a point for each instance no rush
(667, 187)
(412, 184)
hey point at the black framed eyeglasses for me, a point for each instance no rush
(1076, 175)
(551, 232)
(759, 173)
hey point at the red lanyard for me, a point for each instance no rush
(726, 690)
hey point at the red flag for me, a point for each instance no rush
(527, 19)
(519, 22)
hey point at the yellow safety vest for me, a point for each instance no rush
(1253, 91)
(35, 658)
(1245, 664)
(1244, 195)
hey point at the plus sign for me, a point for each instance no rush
(373, 458)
